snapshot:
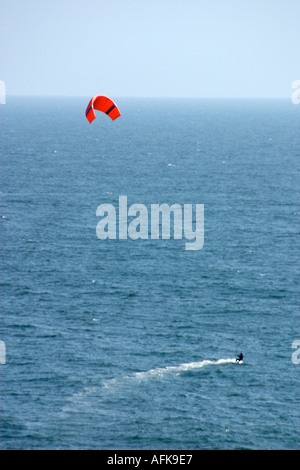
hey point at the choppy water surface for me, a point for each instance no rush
(131, 344)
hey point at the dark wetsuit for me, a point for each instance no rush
(240, 357)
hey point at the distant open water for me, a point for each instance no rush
(124, 344)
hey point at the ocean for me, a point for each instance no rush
(131, 343)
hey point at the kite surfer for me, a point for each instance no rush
(240, 357)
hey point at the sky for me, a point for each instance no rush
(150, 48)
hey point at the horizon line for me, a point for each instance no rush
(19, 95)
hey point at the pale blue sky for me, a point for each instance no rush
(153, 48)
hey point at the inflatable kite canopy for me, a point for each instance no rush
(104, 104)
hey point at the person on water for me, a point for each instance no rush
(240, 357)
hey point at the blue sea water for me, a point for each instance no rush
(130, 344)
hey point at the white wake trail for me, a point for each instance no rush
(176, 370)
(83, 398)
(169, 370)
